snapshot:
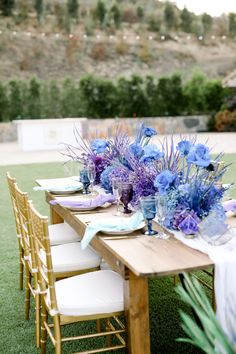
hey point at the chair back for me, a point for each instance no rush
(12, 190)
(40, 236)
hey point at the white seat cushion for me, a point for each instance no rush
(70, 257)
(62, 233)
(91, 293)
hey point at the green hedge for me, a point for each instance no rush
(99, 98)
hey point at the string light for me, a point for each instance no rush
(28, 34)
(200, 38)
(98, 36)
(43, 34)
(124, 37)
(57, 35)
(188, 38)
(150, 38)
(14, 33)
(85, 36)
(138, 38)
(163, 38)
(223, 37)
(71, 35)
(213, 37)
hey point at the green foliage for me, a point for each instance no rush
(186, 20)
(99, 98)
(38, 5)
(3, 103)
(140, 13)
(34, 100)
(209, 333)
(116, 15)
(169, 16)
(7, 6)
(73, 9)
(207, 22)
(100, 11)
(232, 24)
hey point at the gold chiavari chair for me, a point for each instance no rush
(68, 259)
(11, 186)
(86, 297)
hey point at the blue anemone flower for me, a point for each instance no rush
(164, 181)
(151, 153)
(99, 145)
(199, 155)
(184, 147)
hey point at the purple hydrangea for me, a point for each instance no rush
(184, 147)
(99, 145)
(151, 153)
(164, 181)
(199, 155)
(189, 225)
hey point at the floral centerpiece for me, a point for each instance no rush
(184, 173)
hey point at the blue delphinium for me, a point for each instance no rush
(136, 149)
(99, 145)
(151, 153)
(199, 155)
(164, 181)
(184, 147)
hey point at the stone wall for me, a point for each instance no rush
(164, 125)
(8, 132)
(103, 127)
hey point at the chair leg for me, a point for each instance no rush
(44, 317)
(108, 337)
(27, 292)
(37, 319)
(57, 334)
(98, 326)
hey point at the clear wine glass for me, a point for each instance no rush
(125, 190)
(162, 210)
(117, 195)
(91, 168)
(148, 206)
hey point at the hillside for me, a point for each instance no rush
(49, 51)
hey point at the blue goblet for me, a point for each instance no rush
(84, 178)
(148, 205)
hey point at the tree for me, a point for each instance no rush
(207, 22)
(140, 13)
(3, 103)
(73, 9)
(186, 20)
(169, 16)
(7, 6)
(232, 23)
(100, 11)
(38, 5)
(15, 100)
(115, 12)
(34, 99)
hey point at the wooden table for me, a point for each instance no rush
(136, 257)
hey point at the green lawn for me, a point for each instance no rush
(16, 334)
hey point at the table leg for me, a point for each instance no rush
(55, 218)
(137, 314)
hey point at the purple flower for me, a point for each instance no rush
(151, 153)
(99, 145)
(189, 226)
(184, 147)
(164, 181)
(136, 149)
(148, 132)
(199, 155)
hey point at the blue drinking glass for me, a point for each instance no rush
(148, 206)
(84, 179)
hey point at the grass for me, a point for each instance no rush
(16, 334)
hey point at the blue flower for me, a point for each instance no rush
(189, 226)
(136, 149)
(199, 155)
(148, 132)
(151, 153)
(164, 181)
(105, 178)
(99, 145)
(184, 147)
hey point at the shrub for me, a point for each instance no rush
(98, 51)
(225, 121)
(129, 15)
(144, 53)
(3, 104)
(122, 48)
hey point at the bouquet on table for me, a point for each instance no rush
(183, 173)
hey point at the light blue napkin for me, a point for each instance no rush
(121, 224)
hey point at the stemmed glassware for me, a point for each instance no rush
(161, 210)
(125, 190)
(117, 195)
(91, 174)
(84, 178)
(148, 206)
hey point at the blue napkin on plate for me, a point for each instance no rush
(111, 224)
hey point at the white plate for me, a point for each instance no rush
(123, 232)
(65, 190)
